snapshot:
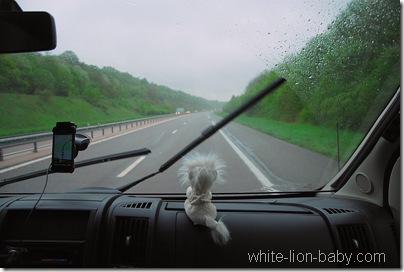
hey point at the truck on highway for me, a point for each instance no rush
(179, 111)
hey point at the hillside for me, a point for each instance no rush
(33, 113)
(41, 89)
(340, 75)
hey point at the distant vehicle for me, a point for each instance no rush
(179, 111)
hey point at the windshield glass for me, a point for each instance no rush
(187, 64)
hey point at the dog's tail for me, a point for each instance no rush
(219, 231)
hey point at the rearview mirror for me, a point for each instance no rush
(26, 32)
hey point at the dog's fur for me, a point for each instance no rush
(200, 171)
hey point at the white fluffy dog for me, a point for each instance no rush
(200, 171)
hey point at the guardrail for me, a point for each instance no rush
(31, 140)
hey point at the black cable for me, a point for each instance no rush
(20, 250)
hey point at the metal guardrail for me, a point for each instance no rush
(33, 139)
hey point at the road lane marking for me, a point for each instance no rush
(260, 176)
(131, 167)
(175, 131)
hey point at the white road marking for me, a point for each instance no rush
(175, 131)
(260, 176)
(24, 164)
(131, 167)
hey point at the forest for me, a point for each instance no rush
(340, 76)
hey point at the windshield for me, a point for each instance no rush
(135, 74)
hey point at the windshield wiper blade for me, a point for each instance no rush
(83, 163)
(114, 157)
(209, 131)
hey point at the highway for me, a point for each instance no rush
(255, 161)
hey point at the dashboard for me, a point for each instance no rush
(97, 227)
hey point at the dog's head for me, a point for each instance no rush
(200, 171)
(202, 179)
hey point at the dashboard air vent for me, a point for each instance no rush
(138, 205)
(337, 210)
(129, 242)
(355, 242)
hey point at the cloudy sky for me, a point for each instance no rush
(210, 48)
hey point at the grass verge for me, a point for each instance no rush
(20, 113)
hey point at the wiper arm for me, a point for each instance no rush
(209, 131)
(102, 159)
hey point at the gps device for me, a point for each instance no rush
(63, 148)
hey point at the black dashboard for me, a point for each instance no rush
(97, 228)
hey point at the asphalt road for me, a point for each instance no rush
(255, 161)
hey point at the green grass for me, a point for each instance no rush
(21, 114)
(316, 138)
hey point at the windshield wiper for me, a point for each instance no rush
(83, 163)
(209, 131)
